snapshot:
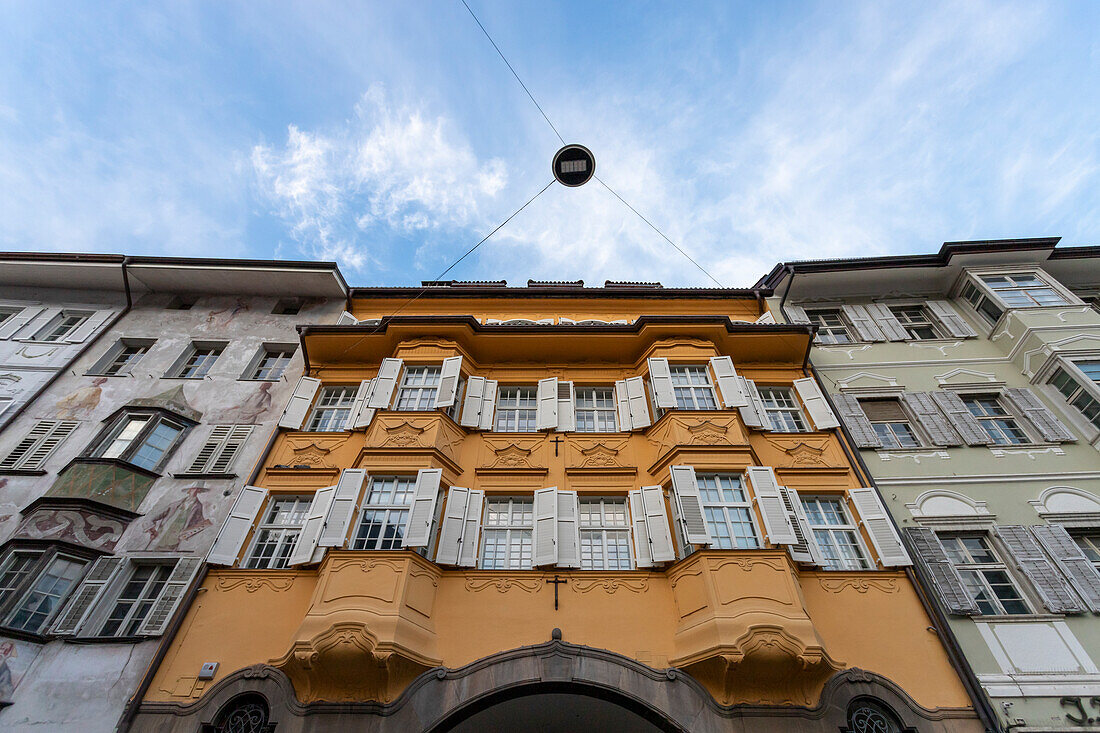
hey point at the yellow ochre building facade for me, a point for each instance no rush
(556, 508)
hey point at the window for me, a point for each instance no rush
(831, 328)
(6, 313)
(275, 537)
(1075, 393)
(989, 310)
(15, 569)
(332, 409)
(727, 511)
(61, 326)
(984, 574)
(46, 595)
(835, 533)
(999, 424)
(121, 358)
(783, 410)
(516, 410)
(31, 452)
(605, 534)
(136, 598)
(916, 321)
(506, 534)
(418, 388)
(141, 439)
(220, 449)
(1023, 290)
(891, 424)
(595, 410)
(287, 307)
(691, 385)
(1089, 544)
(196, 361)
(270, 363)
(385, 513)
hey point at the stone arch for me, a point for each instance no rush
(946, 503)
(1065, 500)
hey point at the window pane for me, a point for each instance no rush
(155, 445)
(47, 595)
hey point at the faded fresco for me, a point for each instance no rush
(78, 526)
(15, 658)
(171, 526)
(110, 484)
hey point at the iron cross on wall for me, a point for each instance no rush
(557, 581)
(557, 441)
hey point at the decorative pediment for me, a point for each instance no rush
(1066, 500)
(965, 376)
(405, 434)
(312, 452)
(596, 453)
(514, 453)
(866, 379)
(942, 503)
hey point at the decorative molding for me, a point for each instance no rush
(940, 347)
(916, 456)
(405, 434)
(858, 584)
(946, 377)
(1001, 452)
(959, 505)
(584, 585)
(254, 583)
(803, 452)
(1066, 502)
(514, 453)
(887, 381)
(502, 584)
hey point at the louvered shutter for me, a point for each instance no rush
(183, 574)
(622, 404)
(952, 322)
(660, 376)
(347, 319)
(765, 318)
(887, 322)
(729, 383)
(90, 325)
(931, 418)
(1077, 568)
(816, 404)
(796, 314)
(471, 403)
(855, 420)
(945, 576)
(31, 452)
(545, 538)
(639, 408)
(488, 405)
(880, 529)
(35, 324)
(546, 404)
(227, 545)
(643, 558)
(864, 324)
(102, 572)
(360, 416)
(805, 548)
(567, 407)
(297, 407)
(310, 533)
(471, 526)
(1034, 411)
(381, 393)
(656, 522)
(418, 527)
(752, 413)
(690, 504)
(449, 377)
(15, 323)
(1047, 580)
(231, 448)
(210, 448)
(772, 505)
(345, 501)
(961, 418)
(569, 538)
(450, 533)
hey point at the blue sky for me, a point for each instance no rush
(390, 137)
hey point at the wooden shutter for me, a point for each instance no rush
(864, 324)
(183, 574)
(796, 314)
(1077, 568)
(1034, 411)
(752, 412)
(345, 500)
(310, 533)
(210, 448)
(230, 448)
(227, 545)
(36, 323)
(569, 537)
(418, 527)
(961, 418)
(15, 323)
(347, 319)
(471, 403)
(297, 407)
(488, 405)
(471, 525)
(945, 576)
(887, 322)
(1047, 580)
(449, 377)
(102, 572)
(690, 504)
(656, 523)
(90, 325)
(639, 408)
(567, 407)
(643, 558)
(545, 540)
(660, 376)
(729, 383)
(546, 404)
(952, 322)
(805, 548)
(767, 317)
(931, 418)
(31, 452)
(855, 420)
(816, 404)
(450, 533)
(622, 404)
(891, 552)
(773, 507)
(384, 384)
(361, 415)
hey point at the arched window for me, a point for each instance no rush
(867, 715)
(243, 714)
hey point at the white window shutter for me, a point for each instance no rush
(545, 538)
(345, 501)
(488, 405)
(656, 523)
(241, 517)
(639, 407)
(471, 403)
(567, 407)
(891, 552)
(36, 323)
(454, 519)
(313, 526)
(805, 548)
(864, 324)
(91, 324)
(347, 319)
(418, 527)
(766, 318)
(31, 452)
(887, 322)
(569, 537)
(15, 324)
(729, 383)
(449, 376)
(952, 322)
(752, 413)
(384, 384)
(773, 507)
(686, 490)
(180, 579)
(297, 407)
(360, 416)
(796, 314)
(471, 526)
(660, 376)
(643, 558)
(1077, 568)
(546, 404)
(815, 403)
(102, 572)
(622, 403)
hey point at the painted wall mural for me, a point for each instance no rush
(169, 527)
(15, 658)
(79, 526)
(110, 484)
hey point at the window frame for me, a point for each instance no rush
(102, 365)
(252, 371)
(20, 592)
(105, 607)
(180, 366)
(850, 525)
(389, 509)
(725, 506)
(910, 421)
(979, 568)
(518, 408)
(288, 533)
(694, 389)
(1085, 387)
(595, 410)
(823, 328)
(933, 322)
(50, 328)
(118, 423)
(606, 530)
(509, 529)
(996, 394)
(346, 403)
(423, 391)
(796, 408)
(973, 278)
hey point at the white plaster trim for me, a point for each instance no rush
(889, 381)
(1003, 685)
(1040, 504)
(941, 347)
(916, 455)
(983, 361)
(986, 477)
(958, 523)
(849, 350)
(980, 508)
(1029, 452)
(943, 378)
(985, 628)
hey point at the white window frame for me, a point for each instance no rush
(823, 533)
(285, 533)
(973, 276)
(1090, 546)
(9, 589)
(1009, 413)
(913, 423)
(929, 318)
(794, 409)
(976, 571)
(69, 319)
(102, 368)
(694, 390)
(211, 352)
(514, 532)
(712, 482)
(595, 411)
(395, 513)
(601, 533)
(327, 415)
(420, 384)
(9, 311)
(500, 421)
(139, 607)
(825, 333)
(282, 353)
(23, 593)
(5, 404)
(129, 447)
(1086, 387)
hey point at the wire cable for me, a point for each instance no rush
(501, 53)
(654, 228)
